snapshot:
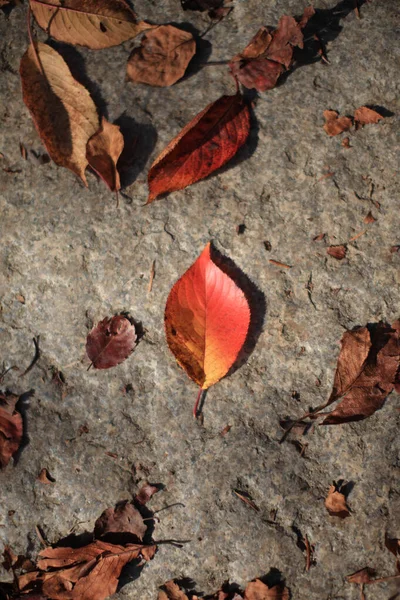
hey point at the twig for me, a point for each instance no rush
(308, 553)
(355, 237)
(152, 273)
(35, 358)
(246, 500)
(279, 264)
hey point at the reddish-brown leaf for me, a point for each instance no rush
(366, 116)
(257, 590)
(268, 53)
(111, 342)
(361, 576)
(63, 111)
(369, 218)
(209, 141)
(207, 318)
(146, 493)
(92, 23)
(103, 151)
(123, 518)
(335, 124)
(45, 477)
(163, 56)
(366, 372)
(11, 428)
(171, 591)
(338, 252)
(335, 503)
(393, 545)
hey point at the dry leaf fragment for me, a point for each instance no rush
(366, 116)
(171, 591)
(335, 124)
(335, 503)
(123, 518)
(338, 252)
(361, 576)
(369, 218)
(93, 23)
(346, 142)
(146, 493)
(257, 590)
(111, 342)
(11, 428)
(45, 477)
(163, 56)
(103, 151)
(209, 141)
(268, 53)
(63, 111)
(207, 318)
(393, 545)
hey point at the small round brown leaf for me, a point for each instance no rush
(111, 342)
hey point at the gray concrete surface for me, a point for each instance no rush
(76, 258)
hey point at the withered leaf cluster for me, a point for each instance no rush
(255, 590)
(334, 125)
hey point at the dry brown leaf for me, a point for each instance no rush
(393, 545)
(123, 518)
(146, 493)
(93, 23)
(338, 252)
(335, 503)
(11, 428)
(63, 111)
(361, 576)
(257, 590)
(346, 142)
(335, 124)
(163, 56)
(369, 218)
(171, 591)
(111, 342)
(366, 116)
(103, 151)
(45, 477)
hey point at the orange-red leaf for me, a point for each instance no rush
(211, 139)
(207, 318)
(103, 151)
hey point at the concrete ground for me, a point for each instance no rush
(75, 258)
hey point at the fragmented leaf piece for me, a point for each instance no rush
(338, 252)
(123, 518)
(63, 111)
(103, 151)
(87, 573)
(393, 545)
(207, 318)
(93, 23)
(366, 116)
(257, 590)
(335, 124)
(209, 141)
(45, 477)
(146, 493)
(171, 591)
(361, 576)
(11, 428)
(111, 342)
(366, 372)
(269, 53)
(335, 503)
(163, 56)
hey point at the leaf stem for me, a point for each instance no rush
(196, 406)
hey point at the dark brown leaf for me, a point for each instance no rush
(110, 342)
(335, 124)
(11, 428)
(366, 116)
(338, 252)
(163, 56)
(361, 576)
(335, 503)
(103, 151)
(124, 518)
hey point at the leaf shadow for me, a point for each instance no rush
(22, 407)
(139, 142)
(255, 298)
(77, 65)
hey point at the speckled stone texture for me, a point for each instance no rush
(76, 257)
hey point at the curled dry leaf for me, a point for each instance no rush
(207, 318)
(268, 54)
(163, 56)
(338, 252)
(366, 116)
(335, 503)
(123, 518)
(93, 23)
(11, 428)
(209, 141)
(366, 372)
(63, 111)
(103, 151)
(335, 124)
(257, 590)
(111, 342)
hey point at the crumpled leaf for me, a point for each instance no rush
(335, 124)
(93, 23)
(269, 53)
(209, 141)
(257, 590)
(123, 518)
(335, 503)
(361, 576)
(11, 428)
(207, 318)
(366, 372)
(366, 116)
(111, 342)
(87, 573)
(163, 56)
(103, 151)
(63, 111)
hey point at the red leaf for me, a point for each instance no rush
(11, 428)
(207, 317)
(111, 342)
(209, 141)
